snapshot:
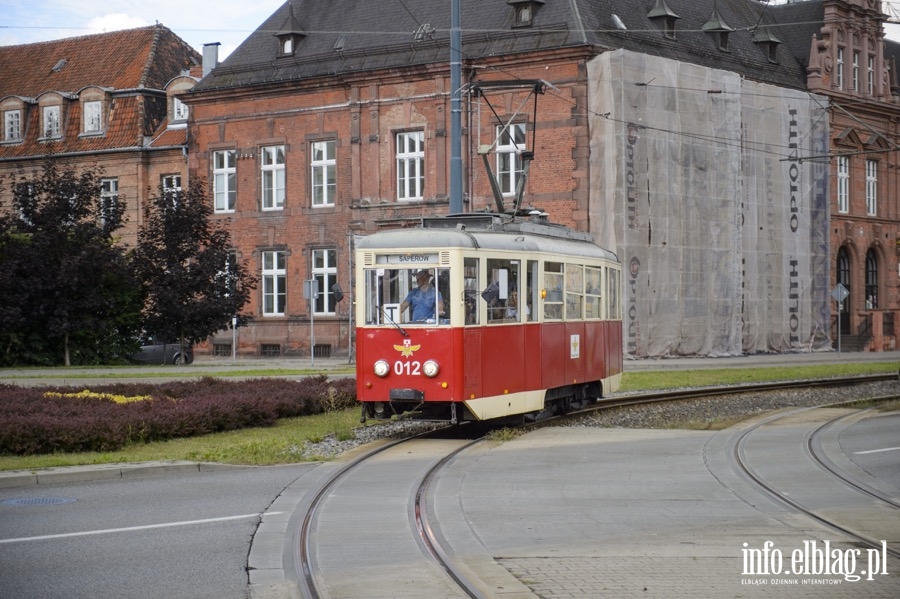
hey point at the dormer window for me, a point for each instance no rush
(664, 17)
(179, 110)
(523, 11)
(722, 40)
(51, 122)
(768, 42)
(289, 35)
(12, 125)
(718, 28)
(93, 117)
(425, 31)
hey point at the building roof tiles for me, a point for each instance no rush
(132, 66)
(353, 37)
(146, 57)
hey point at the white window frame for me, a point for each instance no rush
(856, 71)
(839, 69)
(180, 110)
(410, 165)
(51, 122)
(12, 125)
(274, 283)
(24, 193)
(171, 187)
(109, 196)
(510, 167)
(323, 172)
(324, 270)
(872, 187)
(93, 117)
(171, 183)
(843, 184)
(224, 165)
(871, 76)
(272, 175)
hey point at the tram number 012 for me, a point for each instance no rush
(408, 368)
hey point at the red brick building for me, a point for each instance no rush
(850, 61)
(328, 124)
(118, 114)
(300, 160)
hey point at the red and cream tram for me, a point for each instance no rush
(482, 316)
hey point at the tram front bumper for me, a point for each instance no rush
(407, 395)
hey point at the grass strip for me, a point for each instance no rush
(283, 442)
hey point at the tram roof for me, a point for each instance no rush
(490, 232)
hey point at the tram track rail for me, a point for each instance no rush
(816, 451)
(427, 536)
(816, 454)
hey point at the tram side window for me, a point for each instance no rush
(553, 290)
(442, 282)
(531, 290)
(574, 291)
(593, 294)
(501, 294)
(471, 287)
(614, 308)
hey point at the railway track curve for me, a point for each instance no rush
(422, 558)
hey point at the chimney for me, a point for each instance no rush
(210, 57)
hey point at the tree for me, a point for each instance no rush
(193, 283)
(66, 289)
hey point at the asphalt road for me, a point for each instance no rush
(173, 535)
(874, 446)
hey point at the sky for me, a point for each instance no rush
(198, 22)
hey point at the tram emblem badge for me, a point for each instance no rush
(407, 349)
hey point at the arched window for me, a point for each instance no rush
(871, 280)
(843, 276)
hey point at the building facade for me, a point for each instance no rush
(738, 157)
(849, 61)
(302, 161)
(312, 138)
(120, 115)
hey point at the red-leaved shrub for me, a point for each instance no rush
(35, 421)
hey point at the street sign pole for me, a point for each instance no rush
(311, 292)
(839, 293)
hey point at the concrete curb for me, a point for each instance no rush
(67, 474)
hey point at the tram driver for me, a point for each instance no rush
(422, 299)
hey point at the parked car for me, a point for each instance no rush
(154, 351)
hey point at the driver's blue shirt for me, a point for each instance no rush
(421, 302)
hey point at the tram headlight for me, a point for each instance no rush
(430, 368)
(382, 368)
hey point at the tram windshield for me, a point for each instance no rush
(407, 296)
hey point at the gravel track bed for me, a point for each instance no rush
(729, 409)
(707, 412)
